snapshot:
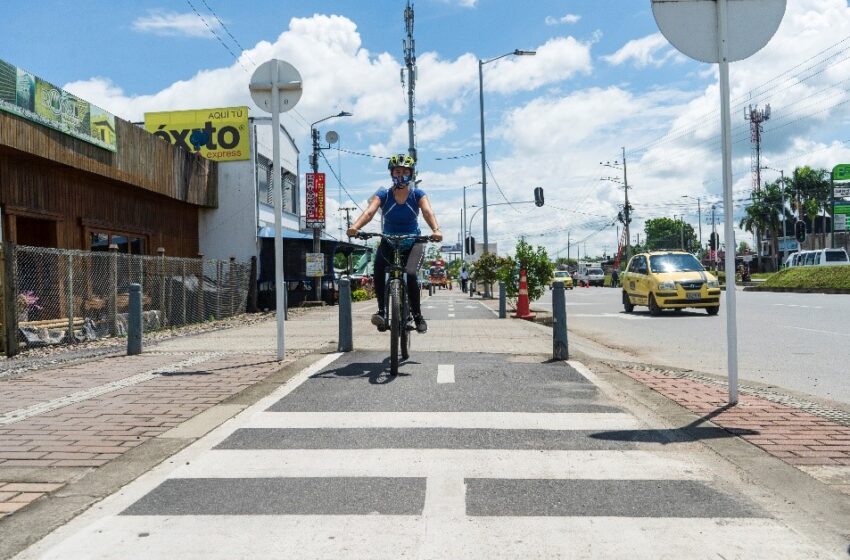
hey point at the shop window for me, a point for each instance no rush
(100, 241)
(265, 185)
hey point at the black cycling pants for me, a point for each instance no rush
(413, 260)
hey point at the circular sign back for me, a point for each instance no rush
(691, 26)
(275, 73)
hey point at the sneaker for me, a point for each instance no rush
(380, 321)
(421, 325)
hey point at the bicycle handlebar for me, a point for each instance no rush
(402, 237)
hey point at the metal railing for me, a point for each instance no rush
(58, 296)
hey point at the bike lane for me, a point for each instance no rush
(507, 456)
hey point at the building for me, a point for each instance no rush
(73, 176)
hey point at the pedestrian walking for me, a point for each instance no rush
(615, 278)
(464, 278)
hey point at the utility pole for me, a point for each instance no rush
(626, 211)
(317, 232)
(348, 210)
(568, 245)
(410, 62)
(714, 236)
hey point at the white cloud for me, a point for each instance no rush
(174, 24)
(557, 60)
(567, 19)
(652, 50)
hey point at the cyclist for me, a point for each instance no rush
(400, 206)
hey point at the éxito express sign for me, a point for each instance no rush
(217, 134)
(841, 197)
(28, 96)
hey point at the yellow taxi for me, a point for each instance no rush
(562, 276)
(669, 280)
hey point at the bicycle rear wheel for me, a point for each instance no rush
(395, 324)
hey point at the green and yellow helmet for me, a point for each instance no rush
(401, 160)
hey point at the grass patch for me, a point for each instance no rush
(822, 277)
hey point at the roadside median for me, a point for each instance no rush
(808, 279)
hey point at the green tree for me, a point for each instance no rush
(538, 269)
(764, 214)
(453, 268)
(743, 247)
(486, 268)
(666, 233)
(809, 191)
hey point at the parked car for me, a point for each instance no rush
(819, 257)
(562, 276)
(592, 277)
(669, 280)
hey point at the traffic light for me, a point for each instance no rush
(712, 240)
(470, 245)
(538, 196)
(800, 231)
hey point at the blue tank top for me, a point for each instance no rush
(400, 219)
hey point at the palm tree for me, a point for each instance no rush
(764, 214)
(810, 190)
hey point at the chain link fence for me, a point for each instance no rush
(63, 296)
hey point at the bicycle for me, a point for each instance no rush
(395, 298)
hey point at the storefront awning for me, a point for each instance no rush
(268, 232)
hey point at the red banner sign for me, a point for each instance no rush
(315, 200)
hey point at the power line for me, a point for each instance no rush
(495, 182)
(223, 26)
(339, 180)
(220, 40)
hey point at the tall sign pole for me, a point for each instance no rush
(276, 87)
(700, 29)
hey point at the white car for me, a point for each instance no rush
(592, 277)
(820, 257)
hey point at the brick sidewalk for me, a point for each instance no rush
(795, 436)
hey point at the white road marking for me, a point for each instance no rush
(466, 463)
(451, 314)
(309, 537)
(445, 372)
(794, 305)
(624, 316)
(461, 420)
(86, 394)
(470, 307)
(817, 331)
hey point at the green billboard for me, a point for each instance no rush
(840, 196)
(34, 99)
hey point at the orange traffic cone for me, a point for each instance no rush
(522, 304)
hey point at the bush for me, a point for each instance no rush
(816, 277)
(360, 295)
(538, 268)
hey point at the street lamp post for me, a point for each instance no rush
(481, 64)
(314, 164)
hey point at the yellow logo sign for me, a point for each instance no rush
(216, 134)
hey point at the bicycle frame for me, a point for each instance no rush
(395, 297)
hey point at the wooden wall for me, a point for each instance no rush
(76, 202)
(142, 160)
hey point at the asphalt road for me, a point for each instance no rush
(799, 342)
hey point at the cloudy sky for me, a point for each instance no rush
(603, 78)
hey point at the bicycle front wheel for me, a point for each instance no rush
(395, 324)
(405, 326)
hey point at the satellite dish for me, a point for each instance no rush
(332, 137)
(691, 26)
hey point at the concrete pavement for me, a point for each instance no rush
(480, 448)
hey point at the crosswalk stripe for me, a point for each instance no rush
(262, 463)
(471, 420)
(308, 537)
